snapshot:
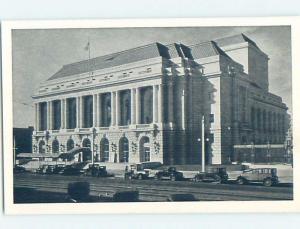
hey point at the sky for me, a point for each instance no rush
(39, 53)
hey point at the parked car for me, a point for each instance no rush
(137, 171)
(58, 168)
(42, 169)
(97, 170)
(169, 174)
(74, 169)
(267, 176)
(19, 169)
(212, 175)
(49, 169)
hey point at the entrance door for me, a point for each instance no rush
(144, 149)
(123, 150)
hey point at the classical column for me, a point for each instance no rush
(66, 113)
(99, 110)
(51, 115)
(117, 109)
(48, 115)
(77, 112)
(95, 111)
(154, 112)
(36, 117)
(160, 103)
(170, 103)
(62, 116)
(113, 115)
(137, 106)
(81, 112)
(132, 106)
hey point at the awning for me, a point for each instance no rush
(71, 153)
(37, 155)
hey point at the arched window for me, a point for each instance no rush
(104, 150)
(146, 105)
(86, 153)
(55, 146)
(42, 146)
(70, 144)
(123, 150)
(86, 143)
(144, 149)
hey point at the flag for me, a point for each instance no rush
(87, 47)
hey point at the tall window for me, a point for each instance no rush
(71, 113)
(104, 150)
(144, 149)
(70, 144)
(42, 146)
(125, 107)
(264, 121)
(106, 109)
(258, 118)
(242, 96)
(146, 105)
(269, 121)
(55, 146)
(253, 118)
(88, 111)
(43, 116)
(56, 115)
(123, 150)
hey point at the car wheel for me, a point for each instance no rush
(140, 177)
(196, 179)
(240, 181)
(172, 178)
(268, 182)
(156, 177)
(217, 179)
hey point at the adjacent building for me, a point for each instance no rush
(147, 103)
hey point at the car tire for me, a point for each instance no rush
(196, 179)
(240, 181)
(268, 182)
(217, 179)
(140, 177)
(172, 178)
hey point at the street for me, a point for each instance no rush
(152, 190)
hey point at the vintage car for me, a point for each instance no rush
(42, 169)
(218, 175)
(169, 174)
(136, 171)
(97, 170)
(58, 168)
(49, 169)
(267, 176)
(74, 169)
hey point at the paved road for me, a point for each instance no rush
(152, 190)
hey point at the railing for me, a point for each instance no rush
(123, 127)
(143, 125)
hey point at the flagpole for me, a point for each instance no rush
(89, 64)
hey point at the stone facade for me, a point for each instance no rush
(155, 98)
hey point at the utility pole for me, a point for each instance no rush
(203, 145)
